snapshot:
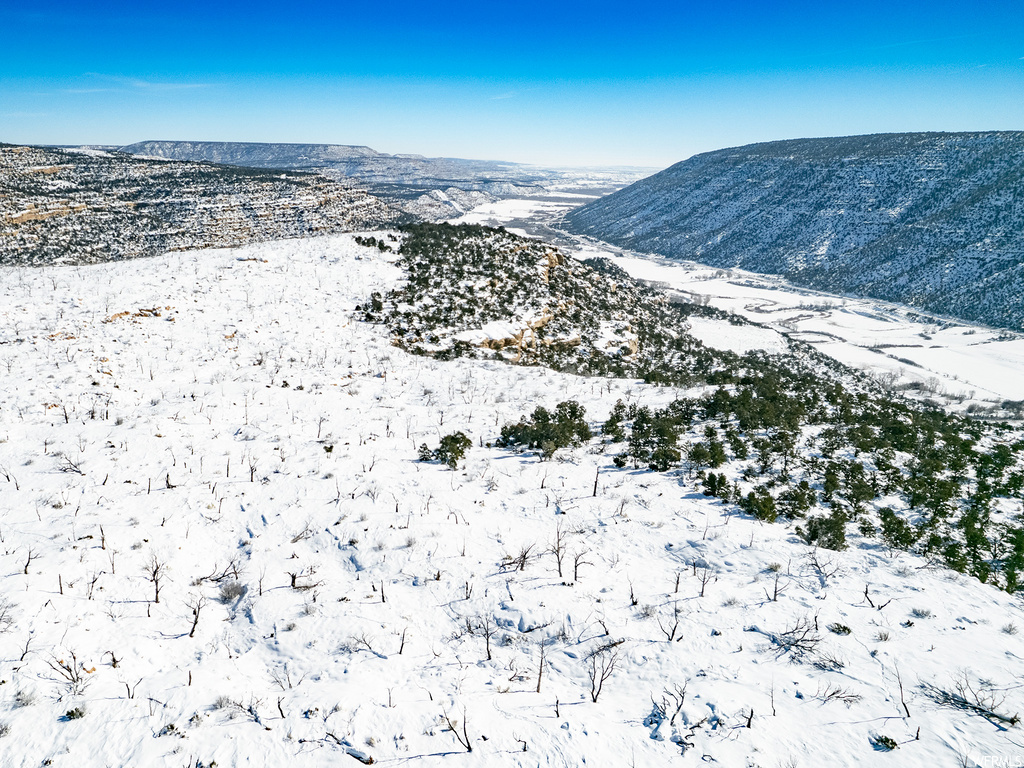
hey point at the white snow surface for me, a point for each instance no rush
(740, 339)
(248, 427)
(960, 361)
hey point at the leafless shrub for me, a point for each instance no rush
(230, 591)
(670, 625)
(981, 698)
(282, 678)
(305, 533)
(65, 464)
(671, 702)
(831, 692)
(824, 568)
(799, 639)
(827, 661)
(236, 707)
(518, 561)
(6, 614)
(69, 673)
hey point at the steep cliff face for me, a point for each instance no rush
(934, 220)
(80, 207)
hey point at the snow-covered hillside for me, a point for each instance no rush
(85, 206)
(932, 220)
(223, 426)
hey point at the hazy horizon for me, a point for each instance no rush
(567, 85)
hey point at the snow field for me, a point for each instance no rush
(225, 416)
(962, 362)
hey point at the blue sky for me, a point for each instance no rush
(595, 83)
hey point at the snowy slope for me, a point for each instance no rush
(225, 413)
(933, 220)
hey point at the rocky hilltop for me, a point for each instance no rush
(79, 206)
(933, 220)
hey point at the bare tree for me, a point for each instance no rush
(778, 589)
(670, 627)
(578, 560)
(487, 628)
(462, 738)
(557, 547)
(195, 605)
(705, 575)
(601, 664)
(155, 570)
(540, 665)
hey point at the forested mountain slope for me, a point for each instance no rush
(933, 220)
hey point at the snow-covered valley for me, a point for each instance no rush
(220, 430)
(954, 362)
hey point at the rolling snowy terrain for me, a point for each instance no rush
(220, 430)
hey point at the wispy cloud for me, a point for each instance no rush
(512, 94)
(136, 84)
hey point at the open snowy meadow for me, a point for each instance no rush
(218, 547)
